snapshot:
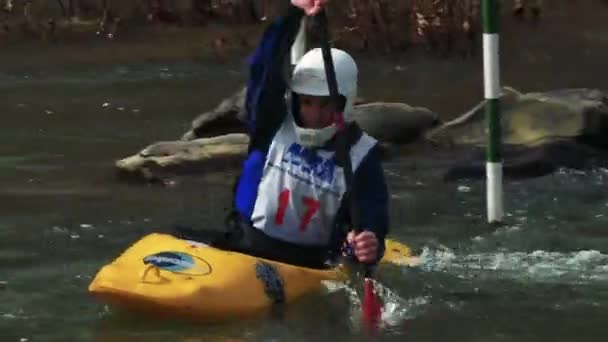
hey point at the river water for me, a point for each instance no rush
(63, 214)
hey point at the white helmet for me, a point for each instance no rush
(309, 79)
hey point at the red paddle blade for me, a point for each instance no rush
(372, 307)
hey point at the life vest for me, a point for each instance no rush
(301, 189)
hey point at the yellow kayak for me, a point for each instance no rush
(165, 276)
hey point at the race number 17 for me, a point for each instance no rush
(312, 206)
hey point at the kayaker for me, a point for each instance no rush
(289, 201)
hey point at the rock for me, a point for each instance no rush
(541, 132)
(226, 117)
(394, 122)
(161, 159)
(534, 119)
(521, 162)
(387, 122)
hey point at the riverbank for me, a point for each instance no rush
(564, 29)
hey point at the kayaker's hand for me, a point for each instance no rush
(310, 7)
(365, 245)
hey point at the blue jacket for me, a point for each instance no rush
(266, 110)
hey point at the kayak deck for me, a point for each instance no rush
(164, 276)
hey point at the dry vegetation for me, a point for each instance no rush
(443, 26)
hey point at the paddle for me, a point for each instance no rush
(371, 304)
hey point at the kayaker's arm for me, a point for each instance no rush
(265, 102)
(372, 200)
(268, 71)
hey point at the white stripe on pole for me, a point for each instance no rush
(494, 191)
(491, 66)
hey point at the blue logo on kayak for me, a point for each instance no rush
(179, 262)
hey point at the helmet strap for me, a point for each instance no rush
(338, 120)
(295, 108)
(338, 115)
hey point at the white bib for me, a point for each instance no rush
(301, 189)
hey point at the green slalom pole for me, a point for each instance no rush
(491, 67)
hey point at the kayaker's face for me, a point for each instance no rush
(315, 111)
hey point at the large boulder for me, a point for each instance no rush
(534, 118)
(394, 122)
(541, 132)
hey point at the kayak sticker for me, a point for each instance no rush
(273, 284)
(179, 262)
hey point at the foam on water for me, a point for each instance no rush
(395, 310)
(541, 266)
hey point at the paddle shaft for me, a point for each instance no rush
(342, 141)
(370, 304)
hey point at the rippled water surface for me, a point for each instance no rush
(541, 276)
